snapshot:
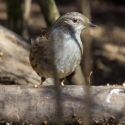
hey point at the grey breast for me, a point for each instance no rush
(68, 52)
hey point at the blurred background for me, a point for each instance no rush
(104, 56)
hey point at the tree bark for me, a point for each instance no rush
(14, 60)
(37, 105)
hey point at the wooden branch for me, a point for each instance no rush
(86, 63)
(26, 18)
(37, 105)
(49, 10)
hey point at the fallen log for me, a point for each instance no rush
(14, 60)
(38, 104)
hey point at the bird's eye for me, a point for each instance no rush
(74, 20)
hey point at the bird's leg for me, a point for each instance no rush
(61, 81)
(42, 80)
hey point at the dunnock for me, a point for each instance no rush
(64, 39)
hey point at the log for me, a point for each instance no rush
(14, 60)
(37, 105)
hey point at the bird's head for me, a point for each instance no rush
(74, 21)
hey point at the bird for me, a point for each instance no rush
(61, 43)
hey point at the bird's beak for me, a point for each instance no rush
(92, 25)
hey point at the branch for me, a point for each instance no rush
(49, 10)
(37, 105)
